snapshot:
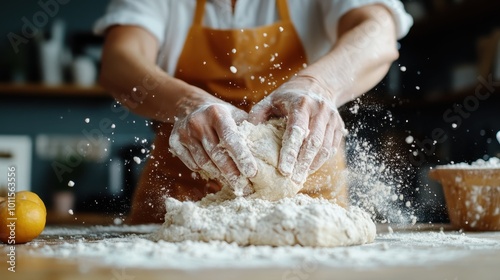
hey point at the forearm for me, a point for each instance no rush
(129, 72)
(362, 56)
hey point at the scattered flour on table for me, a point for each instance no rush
(300, 220)
(119, 246)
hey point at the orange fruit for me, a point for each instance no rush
(32, 197)
(23, 221)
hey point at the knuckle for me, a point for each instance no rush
(194, 124)
(307, 101)
(334, 114)
(315, 142)
(229, 137)
(219, 156)
(173, 139)
(175, 144)
(321, 103)
(211, 169)
(324, 154)
(199, 156)
(302, 101)
(289, 153)
(296, 132)
(213, 111)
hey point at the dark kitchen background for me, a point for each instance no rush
(79, 150)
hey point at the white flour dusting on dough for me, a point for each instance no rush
(264, 141)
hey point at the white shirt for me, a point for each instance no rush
(169, 20)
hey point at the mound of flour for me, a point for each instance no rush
(300, 220)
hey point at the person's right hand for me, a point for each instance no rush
(206, 139)
(314, 127)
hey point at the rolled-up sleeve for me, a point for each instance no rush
(150, 15)
(335, 9)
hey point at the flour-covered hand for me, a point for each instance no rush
(206, 139)
(314, 126)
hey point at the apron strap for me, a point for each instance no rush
(283, 10)
(200, 10)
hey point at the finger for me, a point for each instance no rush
(229, 171)
(326, 150)
(311, 147)
(232, 141)
(261, 111)
(333, 137)
(293, 138)
(179, 150)
(202, 160)
(340, 132)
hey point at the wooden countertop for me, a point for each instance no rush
(78, 218)
(479, 264)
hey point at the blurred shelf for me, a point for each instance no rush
(466, 14)
(378, 99)
(454, 96)
(42, 90)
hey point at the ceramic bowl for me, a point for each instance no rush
(472, 196)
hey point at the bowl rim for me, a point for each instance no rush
(455, 167)
(434, 173)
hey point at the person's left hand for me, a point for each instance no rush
(314, 127)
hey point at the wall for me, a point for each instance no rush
(58, 115)
(79, 15)
(34, 116)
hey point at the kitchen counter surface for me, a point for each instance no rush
(126, 253)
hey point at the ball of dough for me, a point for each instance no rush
(264, 141)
